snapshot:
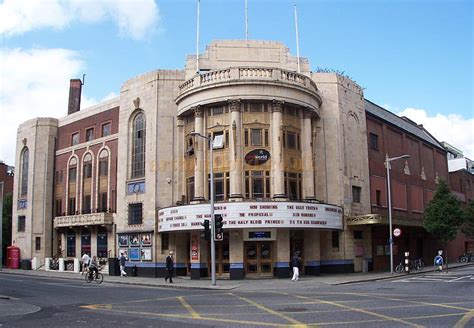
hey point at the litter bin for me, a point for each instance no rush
(114, 266)
(134, 271)
(25, 264)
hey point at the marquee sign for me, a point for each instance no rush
(257, 157)
(238, 215)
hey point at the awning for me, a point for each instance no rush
(377, 219)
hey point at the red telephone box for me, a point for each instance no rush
(13, 257)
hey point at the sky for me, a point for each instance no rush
(414, 58)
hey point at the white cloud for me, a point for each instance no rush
(453, 128)
(135, 19)
(30, 88)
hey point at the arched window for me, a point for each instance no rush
(138, 146)
(24, 172)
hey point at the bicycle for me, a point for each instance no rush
(416, 265)
(94, 276)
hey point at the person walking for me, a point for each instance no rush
(296, 264)
(122, 265)
(169, 267)
(85, 263)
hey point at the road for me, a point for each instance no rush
(431, 300)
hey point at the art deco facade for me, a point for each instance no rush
(291, 170)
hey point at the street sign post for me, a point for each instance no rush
(397, 232)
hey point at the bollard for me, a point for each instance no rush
(61, 264)
(407, 262)
(34, 263)
(47, 264)
(76, 265)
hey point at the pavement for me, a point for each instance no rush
(246, 284)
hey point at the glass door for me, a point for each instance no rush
(258, 258)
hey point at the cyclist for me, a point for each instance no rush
(93, 268)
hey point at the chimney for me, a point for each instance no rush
(75, 88)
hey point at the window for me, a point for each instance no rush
(293, 185)
(378, 197)
(246, 137)
(216, 111)
(103, 167)
(102, 242)
(190, 188)
(72, 206)
(75, 139)
(103, 202)
(86, 206)
(335, 241)
(106, 129)
(255, 107)
(37, 243)
(221, 186)
(291, 140)
(59, 207)
(374, 141)
(256, 137)
(24, 172)
(90, 134)
(87, 170)
(135, 212)
(266, 137)
(257, 184)
(190, 147)
(356, 191)
(357, 234)
(72, 174)
(71, 244)
(21, 223)
(138, 146)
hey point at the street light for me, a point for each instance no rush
(390, 237)
(213, 244)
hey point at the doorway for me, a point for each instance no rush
(297, 245)
(258, 258)
(222, 257)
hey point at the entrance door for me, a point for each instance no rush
(258, 258)
(222, 257)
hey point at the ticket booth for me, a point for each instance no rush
(13, 257)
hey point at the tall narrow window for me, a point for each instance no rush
(374, 141)
(356, 191)
(21, 223)
(90, 134)
(256, 136)
(37, 243)
(24, 172)
(138, 146)
(135, 212)
(106, 128)
(75, 139)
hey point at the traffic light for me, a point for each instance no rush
(207, 230)
(218, 227)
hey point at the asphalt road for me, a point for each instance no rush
(431, 300)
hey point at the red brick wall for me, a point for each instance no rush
(7, 179)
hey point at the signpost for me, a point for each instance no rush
(438, 261)
(397, 232)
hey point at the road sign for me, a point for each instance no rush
(397, 232)
(438, 260)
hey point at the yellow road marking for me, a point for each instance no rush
(261, 307)
(181, 316)
(188, 307)
(363, 311)
(464, 320)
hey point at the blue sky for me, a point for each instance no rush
(412, 57)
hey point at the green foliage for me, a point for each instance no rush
(443, 216)
(468, 226)
(7, 219)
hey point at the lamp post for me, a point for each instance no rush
(213, 245)
(390, 237)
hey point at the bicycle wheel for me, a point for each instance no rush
(88, 277)
(421, 265)
(99, 278)
(399, 268)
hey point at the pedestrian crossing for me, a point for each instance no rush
(439, 277)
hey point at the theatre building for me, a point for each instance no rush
(132, 174)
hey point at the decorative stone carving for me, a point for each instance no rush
(234, 105)
(406, 169)
(136, 102)
(307, 112)
(423, 175)
(198, 112)
(24, 141)
(277, 106)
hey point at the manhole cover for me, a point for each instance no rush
(292, 310)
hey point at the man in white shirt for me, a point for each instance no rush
(85, 263)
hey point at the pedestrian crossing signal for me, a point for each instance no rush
(218, 227)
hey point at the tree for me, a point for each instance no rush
(468, 226)
(7, 223)
(443, 216)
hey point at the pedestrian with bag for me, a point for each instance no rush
(169, 267)
(295, 265)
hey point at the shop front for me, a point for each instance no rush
(260, 237)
